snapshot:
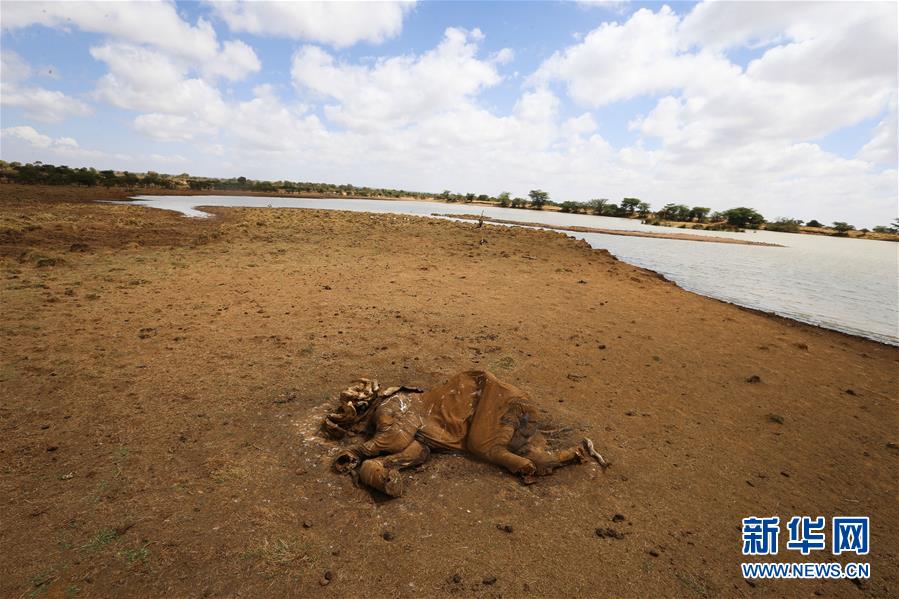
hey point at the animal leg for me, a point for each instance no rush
(515, 464)
(383, 473)
(416, 453)
(547, 461)
(493, 445)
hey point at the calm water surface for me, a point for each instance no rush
(851, 285)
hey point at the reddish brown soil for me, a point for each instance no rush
(163, 379)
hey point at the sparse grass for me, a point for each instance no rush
(104, 537)
(693, 583)
(506, 363)
(141, 554)
(41, 582)
(120, 455)
(281, 555)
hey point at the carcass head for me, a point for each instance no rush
(357, 404)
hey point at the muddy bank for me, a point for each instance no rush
(681, 236)
(163, 380)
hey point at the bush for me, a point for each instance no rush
(783, 225)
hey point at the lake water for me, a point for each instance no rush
(851, 285)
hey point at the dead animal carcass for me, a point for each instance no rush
(472, 412)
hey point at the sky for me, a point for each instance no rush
(787, 107)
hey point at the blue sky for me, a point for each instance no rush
(758, 104)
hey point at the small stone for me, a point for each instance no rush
(488, 580)
(329, 575)
(387, 535)
(601, 346)
(52, 448)
(608, 533)
(618, 518)
(307, 524)
(851, 392)
(504, 527)
(456, 578)
(324, 582)
(653, 552)
(754, 379)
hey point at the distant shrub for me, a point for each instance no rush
(783, 225)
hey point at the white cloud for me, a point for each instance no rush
(13, 68)
(28, 134)
(171, 127)
(883, 147)
(839, 72)
(155, 24)
(43, 105)
(60, 147)
(234, 61)
(399, 90)
(620, 61)
(264, 125)
(339, 24)
(39, 104)
(748, 134)
(148, 81)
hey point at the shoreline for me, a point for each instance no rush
(577, 229)
(126, 194)
(211, 211)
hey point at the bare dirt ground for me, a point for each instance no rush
(163, 380)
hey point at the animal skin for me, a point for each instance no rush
(472, 412)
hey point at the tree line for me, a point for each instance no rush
(49, 174)
(537, 199)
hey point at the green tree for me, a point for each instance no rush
(745, 218)
(129, 179)
(519, 203)
(84, 176)
(538, 198)
(630, 204)
(842, 228)
(504, 199)
(108, 178)
(643, 209)
(699, 213)
(678, 212)
(573, 207)
(784, 225)
(597, 206)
